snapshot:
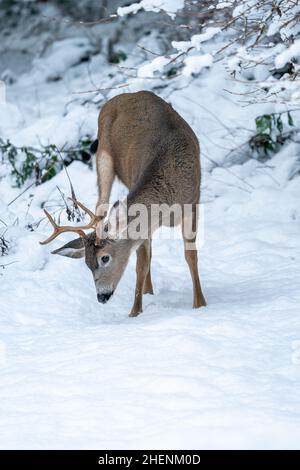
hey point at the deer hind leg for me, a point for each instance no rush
(148, 288)
(105, 175)
(142, 270)
(189, 230)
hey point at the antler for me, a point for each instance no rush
(57, 229)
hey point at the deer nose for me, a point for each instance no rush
(103, 298)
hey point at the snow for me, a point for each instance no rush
(243, 7)
(196, 40)
(194, 64)
(222, 5)
(78, 374)
(2, 92)
(292, 51)
(10, 117)
(156, 65)
(169, 6)
(296, 354)
(63, 55)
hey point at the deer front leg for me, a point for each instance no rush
(148, 288)
(192, 261)
(189, 231)
(142, 270)
(105, 176)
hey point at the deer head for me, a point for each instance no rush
(106, 258)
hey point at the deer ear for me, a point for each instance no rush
(73, 249)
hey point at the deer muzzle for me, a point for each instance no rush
(104, 297)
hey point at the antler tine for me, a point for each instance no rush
(50, 218)
(57, 229)
(94, 217)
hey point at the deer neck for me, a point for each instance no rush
(140, 203)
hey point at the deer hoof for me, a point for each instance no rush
(148, 290)
(200, 302)
(135, 312)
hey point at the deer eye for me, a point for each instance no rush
(105, 259)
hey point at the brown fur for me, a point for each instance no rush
(154, 152)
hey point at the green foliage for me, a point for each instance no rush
(271, 133)
(263, 123)
(172, 72)
(290, 119)
(117, 56)
(40, 165)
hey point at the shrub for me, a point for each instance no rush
(27, 163)
(272, 131)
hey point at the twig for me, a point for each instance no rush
(147, 50)
(101, 89)
(228, 171)
(21, 194)
(3, 266)
(232, 185)
(211, 113)
(67, 173)
(111, 18)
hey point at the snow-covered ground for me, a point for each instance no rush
(77, 374)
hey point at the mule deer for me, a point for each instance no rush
(145, 143)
